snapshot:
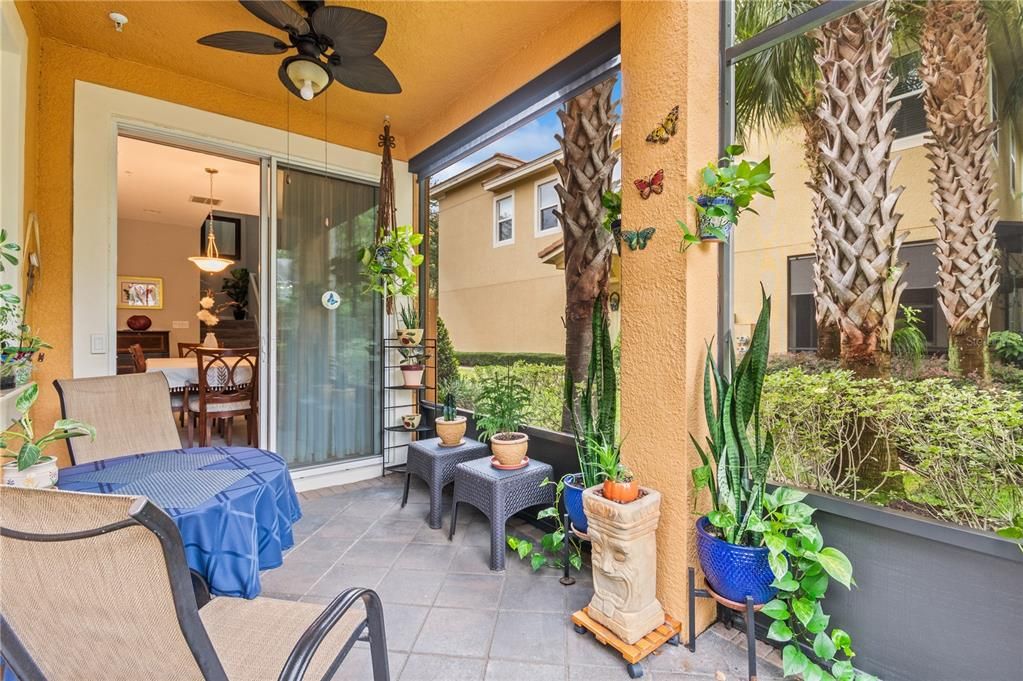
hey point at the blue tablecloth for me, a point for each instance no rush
(232, 527)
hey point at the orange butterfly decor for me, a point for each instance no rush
(654, 185)
(665, 130)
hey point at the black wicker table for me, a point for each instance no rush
(435, 465)
(500, 494)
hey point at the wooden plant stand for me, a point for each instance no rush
(632, 653)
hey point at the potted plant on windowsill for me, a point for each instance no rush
(450, 426)
(413, 365)
(409, 331)
(500, 411)
(30, 467)
(726, 190)
(764, 544)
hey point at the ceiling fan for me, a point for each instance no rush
(333, 43)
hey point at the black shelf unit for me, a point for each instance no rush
(392, 448)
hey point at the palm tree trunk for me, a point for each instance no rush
(954, 66)
(865, 276)
(588, 122)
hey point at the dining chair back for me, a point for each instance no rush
(138, 358)
(131, 414)
(228, 387)
(97, 587)
(186, 349)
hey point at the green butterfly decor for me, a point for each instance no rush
(638, 239)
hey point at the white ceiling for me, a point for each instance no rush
(155, 183)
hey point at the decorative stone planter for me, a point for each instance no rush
(41, 475)
(450, 432)
(509, 448)
(624, 563)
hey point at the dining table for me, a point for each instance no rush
(234, 506)
(184, 371)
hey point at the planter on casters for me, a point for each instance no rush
(573, 496)
(412, 375)
(734, 572)
(509, 448)
(450, 432)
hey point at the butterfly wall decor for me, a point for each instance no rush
(666, 130)
(638, 239)
(654, 185)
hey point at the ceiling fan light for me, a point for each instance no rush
(308, 75)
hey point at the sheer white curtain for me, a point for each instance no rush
(328, 386)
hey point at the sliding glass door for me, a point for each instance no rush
(327, 370)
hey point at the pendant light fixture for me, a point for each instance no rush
(210, 261)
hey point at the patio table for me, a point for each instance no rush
(184, 371)
(234, 506)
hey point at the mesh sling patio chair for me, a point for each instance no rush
(96, 587)
(131, 414)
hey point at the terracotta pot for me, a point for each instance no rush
(509, 448)
(450, 432)
(138, 322)
(410, 337)
(411, 421)
(413, 375)
(622, 492)
(41, 475)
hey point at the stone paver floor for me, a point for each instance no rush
(447, 616)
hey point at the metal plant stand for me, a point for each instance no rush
(748, 610)
(391, 447)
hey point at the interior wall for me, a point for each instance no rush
(249, 259)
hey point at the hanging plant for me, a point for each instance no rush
(389, 265)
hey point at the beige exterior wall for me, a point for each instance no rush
(764, 243)
(503, 298)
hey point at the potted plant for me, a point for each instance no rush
(237, 289)
(389, 265)
(30, 467)
(500, 411)
(413, 365)
(726, 190)
(411, 421)
(619, 483)
(450, 426)
(409, 331)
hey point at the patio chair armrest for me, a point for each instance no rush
(307, 645)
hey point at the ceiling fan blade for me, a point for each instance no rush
(354, 33)
(366, 73)
(244, 41)
(277, 14)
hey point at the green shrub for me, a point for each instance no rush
(545, 384)
(447, 361)
(960, 446)
(505, 359)
(1007, 346)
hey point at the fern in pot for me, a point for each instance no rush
(500, 412)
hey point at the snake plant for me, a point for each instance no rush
(738, 451)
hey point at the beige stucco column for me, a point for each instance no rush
(669, 300)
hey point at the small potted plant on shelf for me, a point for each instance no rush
(413, 365)
(726, 190)
(500, 411)
(450, 426)
(411, 421)
(619, 483)
(236, 287)
(409, 331)
(30, 467)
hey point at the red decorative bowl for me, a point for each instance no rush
(139, 322)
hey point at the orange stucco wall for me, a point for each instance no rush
(669, 300)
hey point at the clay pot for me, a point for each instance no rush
(509, 448)
(138, 322)
(411, 421)
(450, 432)
(622, 492)
(412, 375)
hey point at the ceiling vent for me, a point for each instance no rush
(205, 200)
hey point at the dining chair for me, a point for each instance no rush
(138, 358)
(186, 349)
(131, 413)
(228, 387)
(103, 591)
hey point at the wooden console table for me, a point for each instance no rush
(154, 344)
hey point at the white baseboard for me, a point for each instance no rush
(338, 474)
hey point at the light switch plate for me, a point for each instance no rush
(179, 325)
(98, 344)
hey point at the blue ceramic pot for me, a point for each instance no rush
(734, 571)
(573, 496)
(709, 221)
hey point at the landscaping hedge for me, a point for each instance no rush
(504, 359)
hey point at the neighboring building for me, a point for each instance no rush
(775, 248)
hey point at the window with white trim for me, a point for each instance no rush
(910, 120)
(546, 202)
(504, 220)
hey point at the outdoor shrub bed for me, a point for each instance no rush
(959, 446)
(483, 359)
(545, 385)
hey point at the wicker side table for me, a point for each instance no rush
(435, 465)
(499, 495)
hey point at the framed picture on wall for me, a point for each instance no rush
(229, 236)
(139, 293)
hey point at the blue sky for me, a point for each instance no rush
(535, 138)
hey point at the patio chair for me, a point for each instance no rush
(227, 388)
(98, 588)
(138, 358)
(131, 413)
